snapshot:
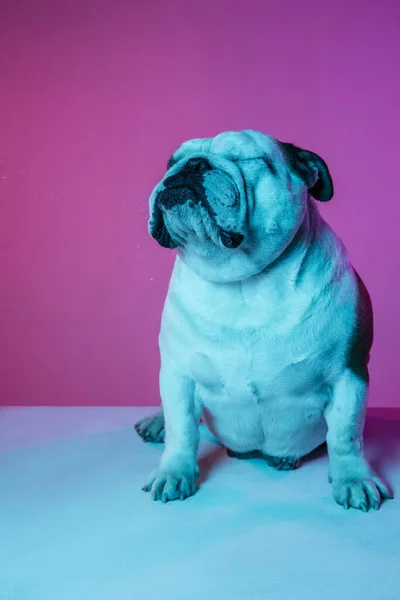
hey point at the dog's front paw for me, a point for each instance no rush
(362, 493)
(172, 484)
(152, 429)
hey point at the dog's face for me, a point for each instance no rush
(233, 203)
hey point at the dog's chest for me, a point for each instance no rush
(246, 346)
(252, 368)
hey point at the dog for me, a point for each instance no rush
(267, 328)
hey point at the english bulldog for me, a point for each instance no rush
(267, 328)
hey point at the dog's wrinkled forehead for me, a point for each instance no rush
(232, 145)
(244, 145)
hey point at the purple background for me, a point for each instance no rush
(96, 95)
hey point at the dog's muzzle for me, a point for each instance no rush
(188, 185)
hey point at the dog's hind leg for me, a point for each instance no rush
(282, 463)
(152, 428)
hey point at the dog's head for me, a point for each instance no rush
(233, 203)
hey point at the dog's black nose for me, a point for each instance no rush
(187, 174)
(186, 184)
(197, 165)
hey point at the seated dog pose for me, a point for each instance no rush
(267, 328)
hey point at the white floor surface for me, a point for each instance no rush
(75, 525)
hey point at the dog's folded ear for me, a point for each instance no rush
(313, 170)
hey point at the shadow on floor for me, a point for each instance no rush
(382, 443)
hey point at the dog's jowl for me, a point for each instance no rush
(267, 328)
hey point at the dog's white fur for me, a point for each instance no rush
(255, 340)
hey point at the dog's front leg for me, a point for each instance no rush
(354, 483)
(175, 477)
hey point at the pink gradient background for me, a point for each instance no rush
(95, 96)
